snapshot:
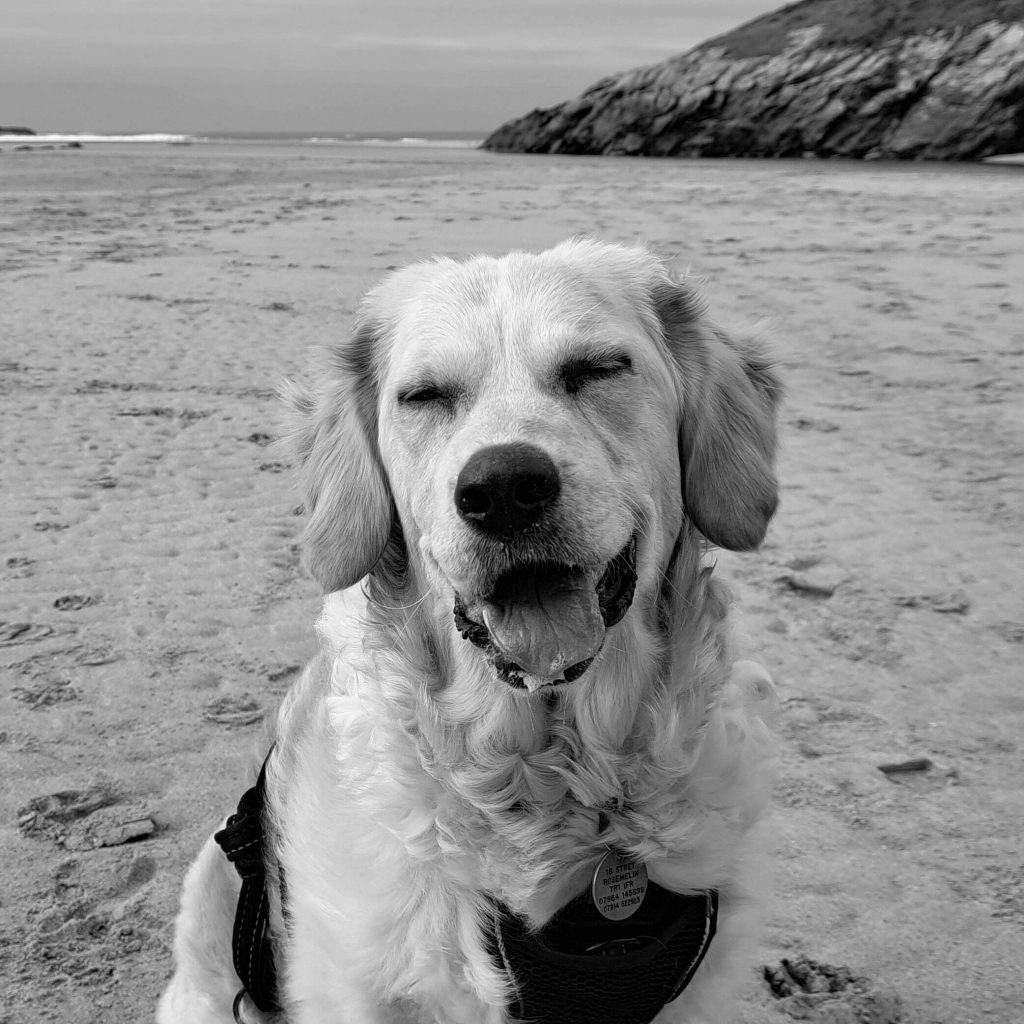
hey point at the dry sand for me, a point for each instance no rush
(154, 607)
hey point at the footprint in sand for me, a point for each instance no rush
(50, 817)
(12, 633)
(72, 602)
(233, 711)
(812, 991)
(45, 694)
(809, 423)
(955, 602)
(816, 582)
(1011, 632)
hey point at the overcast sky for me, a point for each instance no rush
(317, 65)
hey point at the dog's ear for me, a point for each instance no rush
(729, 396)
(348, 503)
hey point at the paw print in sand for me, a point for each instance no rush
(817, 992)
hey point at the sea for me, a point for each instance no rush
(410, 139)
(395, 141)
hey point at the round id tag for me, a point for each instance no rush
(618, 886)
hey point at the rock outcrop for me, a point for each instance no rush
(879, 79)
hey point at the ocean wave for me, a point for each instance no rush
(51, 137)
(377, 140)
(268, 138)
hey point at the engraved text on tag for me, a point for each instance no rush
(619, 886)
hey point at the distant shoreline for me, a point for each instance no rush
(429, 139)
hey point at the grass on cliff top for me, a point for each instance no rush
(861, 22)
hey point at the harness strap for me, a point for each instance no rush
(244, 842)
(580, 968)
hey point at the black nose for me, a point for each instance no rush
(505, 489)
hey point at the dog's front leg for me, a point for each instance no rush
(204, 983)
(413, 961)
(327, 988)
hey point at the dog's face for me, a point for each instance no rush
(538, 424)
(527, 428)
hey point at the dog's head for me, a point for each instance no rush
(540, 427)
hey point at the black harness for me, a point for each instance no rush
(244, 841)
(581, 969)
(578, 969)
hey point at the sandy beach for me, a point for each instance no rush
(154, 610)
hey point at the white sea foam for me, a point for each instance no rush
(57, 137)
(267, 138)
(377, 140)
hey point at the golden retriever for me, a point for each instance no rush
(512, 471)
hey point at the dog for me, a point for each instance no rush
(513, 472)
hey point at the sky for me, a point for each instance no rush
(326, 65)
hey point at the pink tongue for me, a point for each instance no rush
(545, 624)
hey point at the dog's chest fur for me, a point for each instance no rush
(518, 802)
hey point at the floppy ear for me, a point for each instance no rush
(349, 508)
(727, 434)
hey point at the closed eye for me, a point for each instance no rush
(577, 372)
(423, 393)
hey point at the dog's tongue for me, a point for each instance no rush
(545, 623)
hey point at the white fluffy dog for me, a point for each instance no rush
(512, 473)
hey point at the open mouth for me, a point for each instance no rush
(544, 624)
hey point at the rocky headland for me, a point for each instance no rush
(880, 79)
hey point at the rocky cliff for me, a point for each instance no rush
(880, 79)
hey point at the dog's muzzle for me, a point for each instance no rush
(545, 624)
